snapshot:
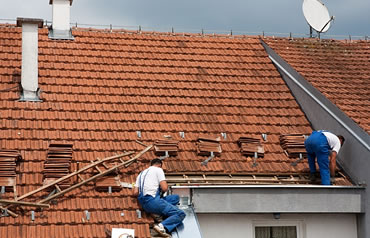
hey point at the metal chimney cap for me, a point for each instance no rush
(21, 20)
(70, 2)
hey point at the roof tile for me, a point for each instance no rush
(333, 67)
(101, 88)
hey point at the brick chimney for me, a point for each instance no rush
(29, 74)
(61, 28)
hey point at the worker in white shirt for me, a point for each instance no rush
(325, 146)
(149, 185)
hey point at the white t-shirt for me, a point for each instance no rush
(153, 176)
(333, 141)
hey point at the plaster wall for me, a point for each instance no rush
(308, 225)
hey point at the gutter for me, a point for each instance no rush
(273, 198)
(267, 186)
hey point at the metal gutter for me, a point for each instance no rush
(281, 199)
(267, 186)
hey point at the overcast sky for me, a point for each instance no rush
(352, 17)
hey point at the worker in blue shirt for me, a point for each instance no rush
(325, 146)
(149, 185)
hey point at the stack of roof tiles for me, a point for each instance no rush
(293, 145)
(109, 183)
(251, 146)
(206, 146)
(166, 145)
(101, 88)
(58, 163)
(8, 163)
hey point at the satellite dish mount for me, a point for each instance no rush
(317, 16)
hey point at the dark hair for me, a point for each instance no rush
(341, 138)
(156, 161)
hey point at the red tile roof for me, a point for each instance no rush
(102, 88)
(339, 69)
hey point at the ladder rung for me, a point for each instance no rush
(80, 177)
(105, 166)
(58, 188)
(97, 168)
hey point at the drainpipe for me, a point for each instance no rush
(60, 28)
(29, 74)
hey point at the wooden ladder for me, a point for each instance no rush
(60, 192)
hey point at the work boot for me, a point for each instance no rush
(161, 231)
(157, 218)
(312, 177)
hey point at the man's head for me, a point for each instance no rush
(156, 162)
(341, 138)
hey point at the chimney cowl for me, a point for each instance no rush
(21, 20)
(52, 1)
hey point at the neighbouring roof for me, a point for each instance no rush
(102, 88)
(339, 69)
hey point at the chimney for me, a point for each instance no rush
(60, 28)
(29, 77)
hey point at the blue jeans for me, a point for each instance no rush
(317, 146)
(165, 207)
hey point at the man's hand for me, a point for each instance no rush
(332, 162)
(136, 191)
(164, 186)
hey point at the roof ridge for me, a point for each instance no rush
(159, 33)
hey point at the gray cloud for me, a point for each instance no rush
(246, 16)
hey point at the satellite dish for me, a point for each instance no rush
(317, 15)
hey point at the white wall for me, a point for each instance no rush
(308, 225)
